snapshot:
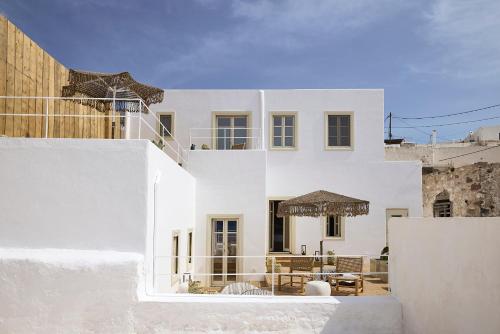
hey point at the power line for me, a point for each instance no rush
(448, 115)
(446, 124)
(414, 128)
(461, 155)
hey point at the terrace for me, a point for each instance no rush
(282, 275)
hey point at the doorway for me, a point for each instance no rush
(279, 229)
(225, 245)
(390, 213)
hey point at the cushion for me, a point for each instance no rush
(317, 288)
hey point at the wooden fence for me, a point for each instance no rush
(28, 70)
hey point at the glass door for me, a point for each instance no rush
(232, 132)
(224, 247)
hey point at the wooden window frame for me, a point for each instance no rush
(272, 147)
(248, 114)
(175, 263)
(341, 225)
(208, 243)
(158, 125)
(351, 131)
(189, 242)
(439, 206)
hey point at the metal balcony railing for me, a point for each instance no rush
(271, 275)
(225, 138)
(74, 117)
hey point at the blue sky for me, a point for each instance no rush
(431, 57)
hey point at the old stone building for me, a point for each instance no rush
(468, 191)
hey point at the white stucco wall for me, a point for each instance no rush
(360, 172)
(384, 184)
(231, 183)
(445, 271)
(487, 133)
(195, 108)
(60, 291)
(96, 195)
(71, 193)
(174, 203)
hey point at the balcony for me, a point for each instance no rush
(225, 138)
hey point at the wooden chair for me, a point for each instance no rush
(298, 265)
(238, 146)
(348, 265)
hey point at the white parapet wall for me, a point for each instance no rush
(445, 272)
(68, 291)
(71, 193)
(93, 194)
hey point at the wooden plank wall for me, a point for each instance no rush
(28, 70)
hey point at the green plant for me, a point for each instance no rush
(160, 144)
(330, 259)
(194, 287)
(384, 254)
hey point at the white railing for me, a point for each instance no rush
(273, 274)
(33, 116)
(225, 138)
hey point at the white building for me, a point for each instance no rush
(485, 134)
(291, 148)
(251, 149)
(481, 145)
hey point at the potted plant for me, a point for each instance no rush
(160, 144)
(381, 265)
(330, 259)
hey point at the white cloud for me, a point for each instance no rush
(466, 38)
(305, 17)
(285, 25)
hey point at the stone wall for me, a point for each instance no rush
(474, 190)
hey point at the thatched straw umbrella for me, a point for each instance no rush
(323, 203)
(117, 86)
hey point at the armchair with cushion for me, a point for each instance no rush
(345, 266)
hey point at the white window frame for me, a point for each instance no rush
(294, 114)
(351, 130)
(342, 229)
(159, 128)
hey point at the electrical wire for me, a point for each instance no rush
(448, 115)
(461, 155)
(446, 124)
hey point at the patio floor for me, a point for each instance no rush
(373, 286)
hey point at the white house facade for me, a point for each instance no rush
(250, 149)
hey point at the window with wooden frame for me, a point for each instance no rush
(175, 257)
(190, 247)
(283, 130)
(166, 124)
(442, 205)
(338, 130)
(442, 208)
(232, 130)
(334, 227)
